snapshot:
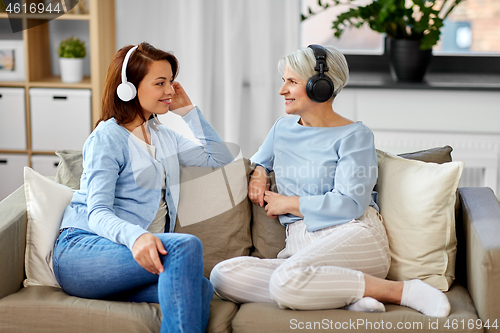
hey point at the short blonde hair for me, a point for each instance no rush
(302, 63)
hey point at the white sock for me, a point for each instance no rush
(366, 304)
(422, 297)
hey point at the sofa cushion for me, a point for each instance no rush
(268, 235)
(51, 308)
(70, 168)
(437, 155)
(45, 203)
(273, 319)
(214, 207)
(221, 315)
(417, 201)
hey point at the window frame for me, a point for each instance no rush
(468, 63)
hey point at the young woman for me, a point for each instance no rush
(325, 165)
(117, 239)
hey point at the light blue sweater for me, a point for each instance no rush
(121, 183)
(332, 169)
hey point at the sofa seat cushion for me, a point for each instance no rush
(221, 315)
(270, 318)
(49, 309)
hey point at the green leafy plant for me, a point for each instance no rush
(72, 48)
(399, 19)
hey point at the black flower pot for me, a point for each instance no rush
(408, 62)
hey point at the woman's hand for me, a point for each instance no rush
(278, 204)
(145, 251)
(258, 185)
(180, 103)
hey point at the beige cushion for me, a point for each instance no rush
(417, 201)
(223, 228)
(48, 309)
(268, 235)
(267, 317)
(70, 168)
(207, 192)
(437, 155)
(45, 202)
(221, 315)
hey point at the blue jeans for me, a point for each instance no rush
(90, 266)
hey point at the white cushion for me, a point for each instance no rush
(45, 202)
(417, 201)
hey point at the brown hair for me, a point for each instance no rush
(137, 68)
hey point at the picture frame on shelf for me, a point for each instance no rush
(12, 60)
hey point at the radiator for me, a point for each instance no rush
(480, 152)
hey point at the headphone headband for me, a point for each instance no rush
(125, 62)
(320, 55)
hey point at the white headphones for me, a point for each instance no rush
(126, 91)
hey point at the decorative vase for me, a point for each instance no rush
(408, 62)
(71, 69)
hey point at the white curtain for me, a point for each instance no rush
(228, 52)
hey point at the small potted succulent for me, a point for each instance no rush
(71, 53)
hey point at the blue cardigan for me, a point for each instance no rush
(120, 188)
(332, 169)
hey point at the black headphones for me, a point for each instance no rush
(320, 87)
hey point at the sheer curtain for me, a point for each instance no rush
(228, 52)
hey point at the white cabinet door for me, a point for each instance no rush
(60, 118)
(11, 173)
(12, 119)
(45, 165)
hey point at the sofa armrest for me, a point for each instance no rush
(481, 222)
(13, 221)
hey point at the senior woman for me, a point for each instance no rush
(336, 251)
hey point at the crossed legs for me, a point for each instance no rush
(90, 266)
(344, 267)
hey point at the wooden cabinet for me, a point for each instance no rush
(36, 36)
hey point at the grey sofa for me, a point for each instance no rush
(474, 296)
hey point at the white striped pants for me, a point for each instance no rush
(316, 270)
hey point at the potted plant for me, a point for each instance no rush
(71, 53)
(412, 27)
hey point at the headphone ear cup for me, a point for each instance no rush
(126, 91)
(319, 88)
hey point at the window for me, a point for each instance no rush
(469, 42)
(317, 30)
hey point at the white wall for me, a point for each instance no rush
(228, 52)
(407, 120)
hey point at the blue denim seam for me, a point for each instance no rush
(175, 283)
